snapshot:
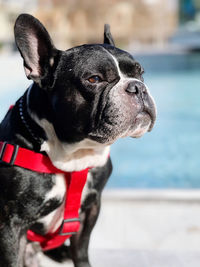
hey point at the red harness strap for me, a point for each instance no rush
(75, 181)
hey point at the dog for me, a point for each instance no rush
(80, 102)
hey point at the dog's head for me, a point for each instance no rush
(95, 91)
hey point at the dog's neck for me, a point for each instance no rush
(72, 157)
(36, 133)
(65, 156)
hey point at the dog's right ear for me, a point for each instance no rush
(35, 46)
(108, 39)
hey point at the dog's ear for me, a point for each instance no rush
(35, 46)
(108, 39)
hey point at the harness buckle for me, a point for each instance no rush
(68, 221)
(14, 154)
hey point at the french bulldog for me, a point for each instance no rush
(80, 102)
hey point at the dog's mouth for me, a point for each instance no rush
(143, 123)
(108, 133)
(152, 112)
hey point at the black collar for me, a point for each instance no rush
(36, 133)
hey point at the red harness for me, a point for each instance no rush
(75, 181)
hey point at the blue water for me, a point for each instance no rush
(169, 156)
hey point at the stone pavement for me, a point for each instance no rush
(136, 258)
(159, 228)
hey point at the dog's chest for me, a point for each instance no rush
(51, 222)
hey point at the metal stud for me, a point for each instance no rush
(24, 121)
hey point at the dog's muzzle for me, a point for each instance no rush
(139, 89)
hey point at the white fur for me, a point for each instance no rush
(121, 75)
(58, 189)
(140, 130)
(54, 219)
(123, 78)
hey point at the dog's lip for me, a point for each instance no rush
(100, 139)
(152, 114)
(142, 117)
(151, 126)
(153, 119)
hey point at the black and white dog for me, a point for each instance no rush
(81, 101)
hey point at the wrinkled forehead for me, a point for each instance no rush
(99, 58)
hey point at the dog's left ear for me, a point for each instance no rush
(108, 39)
(35, 46)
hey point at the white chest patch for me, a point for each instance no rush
(54, 219)
(72, 157)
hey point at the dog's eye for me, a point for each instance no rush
(94, 79)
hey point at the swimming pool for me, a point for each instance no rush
(169, 156)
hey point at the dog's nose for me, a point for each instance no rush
(136, 87)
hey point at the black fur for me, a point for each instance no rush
(107, 35)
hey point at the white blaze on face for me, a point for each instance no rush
(124, 79)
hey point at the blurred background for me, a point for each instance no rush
(163, 166)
